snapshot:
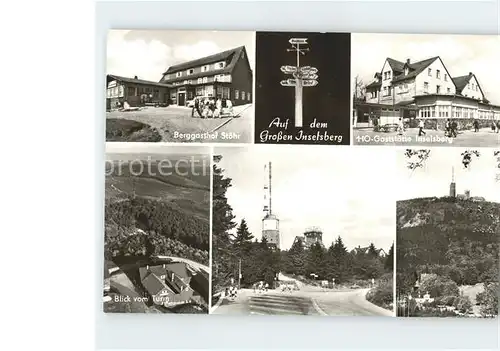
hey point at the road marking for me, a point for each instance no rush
(317, 308)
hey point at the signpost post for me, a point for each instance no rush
(303, 77)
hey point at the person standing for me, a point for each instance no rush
(476, 126)
(421, 125)
(401, 127)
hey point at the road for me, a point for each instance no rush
(309, 300)
(175, 124)
(484, 138)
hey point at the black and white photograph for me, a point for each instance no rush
(425, 90)
(302, 88)
(448, 231)
(156, 229)
(180, 86)
(303, 231)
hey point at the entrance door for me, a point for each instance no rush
(181, 99)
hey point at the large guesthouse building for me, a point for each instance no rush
(226, 75)
(424, 90)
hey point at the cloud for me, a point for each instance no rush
(137, 57)
(461, 54)
(192, 52)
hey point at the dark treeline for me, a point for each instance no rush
(144, 227)
(337, 262)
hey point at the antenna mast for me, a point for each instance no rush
(453, 174)
(270, 188)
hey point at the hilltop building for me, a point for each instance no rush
(227, 75)
(466, 195)
(426, 90)
(364, 250)
(311, 236)
(167, 284)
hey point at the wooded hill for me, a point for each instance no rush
(447, 236)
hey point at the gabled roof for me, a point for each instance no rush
(179, 269)
(395, 65)
(415, 69)
(461, 82)
(153, 284)
(233, 55)
(111, 77)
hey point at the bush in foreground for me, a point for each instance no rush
(119, 129)
(382, 294)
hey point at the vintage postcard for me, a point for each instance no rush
(428, 90)
(180, 86)
(448, 228)
(302, 88)
(286, 241)
(156, 230)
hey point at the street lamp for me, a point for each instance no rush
(305, 76)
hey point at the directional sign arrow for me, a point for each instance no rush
(309, 83)
(286, 83)
(310, 76)
(298, 41)
(308, 69)
(288, 69)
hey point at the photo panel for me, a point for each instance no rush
(425, 90)
(448, 231)
(180, 86)
(303, 231)
(157, 228)
(302, 88)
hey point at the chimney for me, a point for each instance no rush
(408, 61)
(470, 73)
(135, 77)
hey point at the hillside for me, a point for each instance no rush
(157, 208)
(449, 237)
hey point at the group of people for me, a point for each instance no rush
(212, 108)
(231, 292)
(260, 287)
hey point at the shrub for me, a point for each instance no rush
(437, 286)
(382, 295)
(463, 304)
(488, 299)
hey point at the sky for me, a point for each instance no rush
(434, 179)
(132, 151)
(461, 54)
(148, 53)
(332, 188)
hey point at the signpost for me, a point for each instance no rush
(305, 76)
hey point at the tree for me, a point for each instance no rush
(222, 222)
(488, 299)
(316, 260)
(389, 260)
(359, 89)
(372, 251)
(243, 239)
(437, 286)
(296, 258)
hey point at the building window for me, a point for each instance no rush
(468, 85)
(131, 91)
(433, 111)
(473, 86)
(426, 87)
(221, 65)
(205, 79)
(425, 112)
(429, 72)
(190, 81)
(438, 89)
(242, 95)
(190, 71)
(438, 74)
(448, 90)
(236, 94)
(204, 68)
(225, 93)
(185, 82)
(445, 77)
(167, 76)
(178, 74)
(199, 81)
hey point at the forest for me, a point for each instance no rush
(138, 226)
